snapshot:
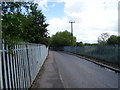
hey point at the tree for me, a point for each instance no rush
(87, 44)
(62, 39)
(11, 21)
(26, 24)
(113, 39)
(102, 39)
(38, 30)
(79, 44)
(119, 40)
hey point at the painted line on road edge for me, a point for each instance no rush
(101, 64)
(59, 74)
(61, 78)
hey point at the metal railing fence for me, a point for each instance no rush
(106, 53)
(20, 65)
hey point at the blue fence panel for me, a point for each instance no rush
(106, 53)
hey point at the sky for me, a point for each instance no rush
(91, 17)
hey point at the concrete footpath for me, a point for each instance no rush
(48, 77)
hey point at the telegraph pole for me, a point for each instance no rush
(71, 31)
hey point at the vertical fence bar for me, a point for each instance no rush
(26, 67)
(16, 64)
(5, 81)
(20, 67)
(12, 71)
(14, 68)
(23, 67)
(29, 74)
(17, 56)
(30, 62)
(8, 66)
(1, 76)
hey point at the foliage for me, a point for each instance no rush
(87, 44)
(106, 39)
(102, 39)
(63, 39)
(113, 39)
(94, 44)
(22, 21)
(79, 44)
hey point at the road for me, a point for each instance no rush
(76, 72)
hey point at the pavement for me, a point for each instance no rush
(48, 76)
(63, 70)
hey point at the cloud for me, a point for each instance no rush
(58, 24)
(92, 18)
(42, 4)
(53, 5)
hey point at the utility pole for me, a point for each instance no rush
(71, 31)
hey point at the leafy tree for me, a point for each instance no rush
(102, 39)
(119, 40)
(63, 39)
(11, 21)
(94, 44)
(39, 30)
(113, 39)
(79, 44)
(87, 44)
(24, 25)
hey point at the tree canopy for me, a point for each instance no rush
(102, 39)
(113, 40)
(79, 43)
(22, 21)
(63, 39)
(106, 39)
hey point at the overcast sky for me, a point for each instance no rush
(92, 17)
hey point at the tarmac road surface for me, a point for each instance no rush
(76, 72)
